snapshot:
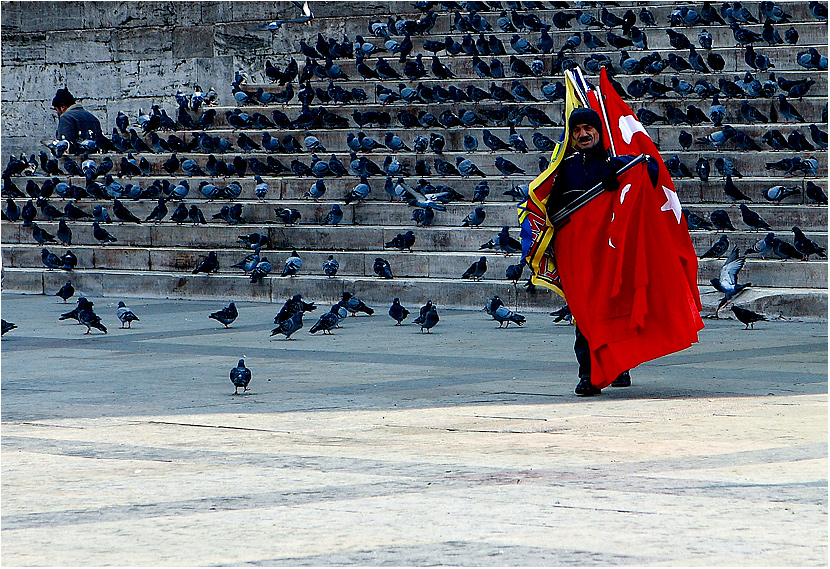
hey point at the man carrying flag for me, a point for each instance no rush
(623, 258)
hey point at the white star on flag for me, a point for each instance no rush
(672, 203)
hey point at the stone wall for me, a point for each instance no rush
(129, 55)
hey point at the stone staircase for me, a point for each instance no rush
(156, 259)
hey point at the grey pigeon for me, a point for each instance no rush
(66, 291)
(504, 316)
(474, 218)
(240, 377)
(398, 312)
(430, 320)
(125, 315)
(88, 318)
(289, 326)
(354, 304)
(292, 265)
(226, 315)
(7, 327)
(718, 249)
(763, 246)
(261, 270)
(331, 266)
(326, 323)
(727, 281)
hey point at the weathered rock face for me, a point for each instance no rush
(129, 55)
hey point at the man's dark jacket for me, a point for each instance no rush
(76, 120)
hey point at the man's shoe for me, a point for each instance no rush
(623, 380)
(585, 388)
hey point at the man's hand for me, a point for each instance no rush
(610, 182)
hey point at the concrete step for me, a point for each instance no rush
(450, 293)
(416, 264)
(362, 237)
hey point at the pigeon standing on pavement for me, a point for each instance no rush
(125, 315)
(354, 304)
(240, 377)
(430, 320)
(66, 291)
(398, 312)
(289, 326)
(747, 317)
(226, 316)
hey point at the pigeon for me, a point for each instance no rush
(125, 315)
(292, 265)
(64, 233)
(507, 167)
(398, 312)
(563, 314)
(288, 215)
(402, 241)
(248, 263)
(195, 215)
(747, 317)
(226, 315)
(720, 219)
(326, 323)
(422, 313)
(430, 320)
(159, 212)
(694, 221)
(7, 327)
(330, 267)
(261, 270)
(101, 235)
(69, 261)
(382, 268)
(514, 272)
(66, 291)
(88, 318)
(779, 193)
(122, 213)
(423, 217)
(718, 249)
(507, 244)
(504, 316)
(732, 191)
(292, 306)
(815, 194)
(476, 270)
(763, 247)
(727, 281)
(805, 246)
(752, 219)
(240, 377)
(209, 265)
(475, 218)
(354, 304)
(784, 250)
(334, 216)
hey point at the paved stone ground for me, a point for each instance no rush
(382, 446)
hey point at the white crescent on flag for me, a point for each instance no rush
(630, 125)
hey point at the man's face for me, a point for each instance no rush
(584, 136)
(60, 110)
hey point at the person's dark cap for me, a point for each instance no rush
(63, 98)
(585, 115)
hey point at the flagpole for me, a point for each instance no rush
(601, 100)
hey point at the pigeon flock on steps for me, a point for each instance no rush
(511, 47)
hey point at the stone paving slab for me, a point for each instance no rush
(383, 446)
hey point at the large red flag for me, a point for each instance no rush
(626, 261)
